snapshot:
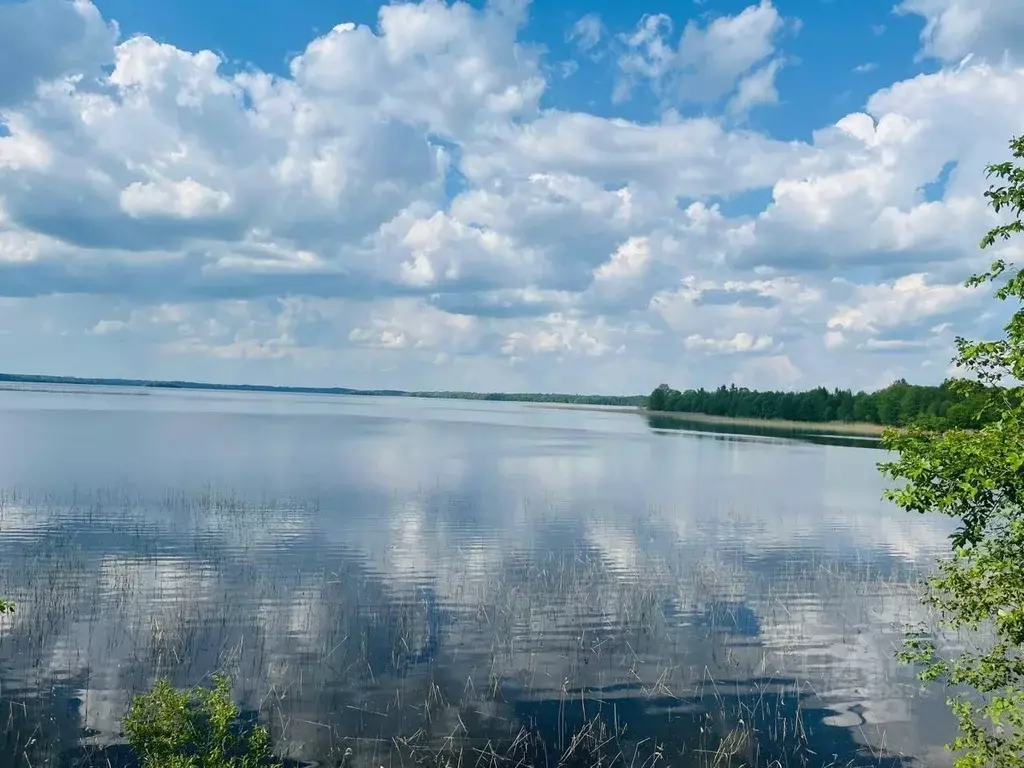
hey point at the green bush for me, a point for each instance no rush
(976, 476)
(194, 728)
(6, 606)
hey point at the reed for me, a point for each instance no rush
(563, 656)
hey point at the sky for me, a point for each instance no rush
(586, 197)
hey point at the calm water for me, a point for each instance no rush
(413, 579)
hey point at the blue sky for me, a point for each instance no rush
(827, 42)
(500, 195)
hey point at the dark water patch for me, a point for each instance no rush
(782, 727)
(733, 618)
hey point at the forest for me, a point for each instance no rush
(954, 403)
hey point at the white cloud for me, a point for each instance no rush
(756, 88)
(741, 342)
(956, 28)
(909, 299)
(440, 250)
(23, 150)
(104, 327)
(45, 39)
(894, 344)
(863, 192)
(770, 371)
(477, 72)
(560, 334)
(708, 61)
(629, 260)
(586, 32)
(185, 199)
(411, 325)
(174, 215)
(689, 158)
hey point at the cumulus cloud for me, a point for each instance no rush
(559, 334)
(862, 194)
(629, 260)
(404, 206)
(708, 61)
(741, 342)
(44, 39)
(957, 28)
(405, 324)
(909, 298)
(183, 199)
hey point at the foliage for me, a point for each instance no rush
(977, 477)
(6, 606)
(900, 404)
(194, 728)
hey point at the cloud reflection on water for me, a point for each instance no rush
(349, 568)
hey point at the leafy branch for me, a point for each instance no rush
(977, 477)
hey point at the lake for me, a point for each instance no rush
(399, 582)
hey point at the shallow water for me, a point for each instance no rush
(407, 578)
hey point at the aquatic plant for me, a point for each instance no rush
(193, 728)
(553, 655)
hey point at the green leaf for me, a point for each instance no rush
(975, 476)
(194, 728)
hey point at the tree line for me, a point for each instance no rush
(949, 405)
(636, 401)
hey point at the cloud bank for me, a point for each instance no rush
(408, 205)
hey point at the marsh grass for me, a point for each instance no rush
(555, 657)
(859, 429)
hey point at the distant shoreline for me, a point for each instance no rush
(621, 401)
(860, 429)
(537, 400)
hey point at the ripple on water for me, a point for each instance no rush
(576, 581)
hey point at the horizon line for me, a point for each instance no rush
(41, 378)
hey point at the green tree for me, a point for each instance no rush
(887, 404)
(195, 728)
(659, 398)
(6, 606)
(976, 476)
(864, 408)
(844, 405)
(900, 404)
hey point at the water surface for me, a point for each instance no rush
(409, 579)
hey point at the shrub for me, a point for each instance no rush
(976, 476)
(194, 728)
